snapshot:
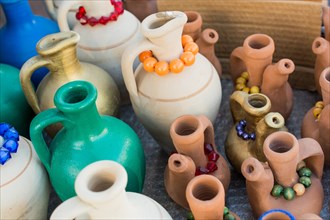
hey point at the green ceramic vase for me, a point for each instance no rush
(86, 137)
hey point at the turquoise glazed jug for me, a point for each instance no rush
(14, 108)
(86, 137)
(20, 34)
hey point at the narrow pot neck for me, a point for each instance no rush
(64, 61)
(325, 85)
(17, 12)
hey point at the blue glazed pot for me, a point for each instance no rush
(20, 34)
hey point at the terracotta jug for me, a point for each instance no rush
(86, 137)
(255, 57)
(281, 214)
(193, 138)
(106, 30)
(159, 100)
(317, 124)
(320, 47)
(253, 122)
(57, 52)
(101, 194)
(24, 184)
(205, 39)
(206, 198)
(285, 156)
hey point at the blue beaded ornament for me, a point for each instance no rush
(242, 133)
(9, 138)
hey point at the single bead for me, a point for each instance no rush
(92, 21)
(103, 20)
(306, 181)
(82, 10)
(239, 127)
(254, 89)
(162, 68)
(242, 122)
(79, 15)
(113, 16)
(319, 104)
(83, 20)
(299, 189)
(211, 166)
(252, 136)
(245, 75)
(190, 216)
(240, 133)
(245, 136)
(317, 112)
(2, 140)
(225, 210)
(208, 148)
(11, 145)
(201, 170)
(188, 58)
(4, 156)
(192, 47)
(246, 89)
(300, 165)
(288, 193)
(305, 172)
(144, 55)
(277, 190)
(213, 156)
(4, 127)
(229, 217)
(176, 66)
(11, 133)
(239, 87)
(186, 39)
(149, 64)
(241, 80)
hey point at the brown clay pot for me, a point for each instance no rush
(326, 22)
(193, 27)
(283, 152)
(189, 134)
(279, 214)
(141, 8)
(319, 129)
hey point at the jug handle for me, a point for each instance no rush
(26, 72)
(63, 11)
(38, 124)
(70, 209)
(236, 63)
(236, 105)
(127, 61)
(50, 6)
(208, 129)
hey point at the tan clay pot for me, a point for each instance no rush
(255, 110)
(189, 134)
(283, 152)
(319, 129)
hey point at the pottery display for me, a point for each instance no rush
(24, 184)
(14, 108)
(86, 137)
(252, 70)
(291, 178)
(21, 33)
(101, 194)
(57, 52)
(158, 95)
(193, 138)
(106, 30)
(205, 39)
(253, 122)
(281, 214)
(316, 123)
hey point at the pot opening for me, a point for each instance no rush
(205, 191)
(259, 43)
(212, 35)
(327, 75)
(317, 44)
(257, 101)
(280, 146)
(187, 127)
(100, 182)
(75, 95)
(276, 120)
(249, 169)
(287, 65)
(177, 163)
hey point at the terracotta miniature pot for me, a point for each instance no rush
(317, 124)
(284, 155)
(281, 214)
(251, 114)
(193, 138)
(193, 27)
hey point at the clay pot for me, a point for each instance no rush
(319, 128)
(326, 21)
(141, 8)
(281, 214)
(190, 134)
(283, 152)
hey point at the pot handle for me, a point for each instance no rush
(236, 103)
(62, 13)
(25, 75)
(50, 6)
(236, 63)
(70, 209)
(38, 124)
(208, 129)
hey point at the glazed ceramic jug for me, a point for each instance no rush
(255, 58)
(253, 122)
(24, 184)
(158, 100)
(106, 33)
(21, 33)
(86, 137)
(101, 194)
(52, 7)
(291, 178)
(316, 123)
(14, 108)
(193, 138)
(205, 39)
(57, 52)
(282, 214)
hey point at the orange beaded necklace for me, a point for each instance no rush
(187, 58)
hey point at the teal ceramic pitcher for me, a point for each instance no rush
(86, 137)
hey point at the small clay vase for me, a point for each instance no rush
(320, 47)
(282, 214)
(254, 110)
(191, 136)
(284, 155)
(319, 128)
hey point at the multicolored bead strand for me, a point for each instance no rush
(318, 107)
(240, 129)
(241, 84)
(9, 138)
(212, 157)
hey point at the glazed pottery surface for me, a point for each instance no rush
(14, 108)
(101, 194)
(103, 45)
(24, 184)
(255, 57)
(86, 137)
(281, 214)
(52, 9)
(254, 109)
(283, 152)
(21, 33)
(159, 100)
(190, 134)
(319, 128)
(58, 53)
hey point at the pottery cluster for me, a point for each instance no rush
(62, 86)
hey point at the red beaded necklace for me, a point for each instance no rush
(84, 19)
